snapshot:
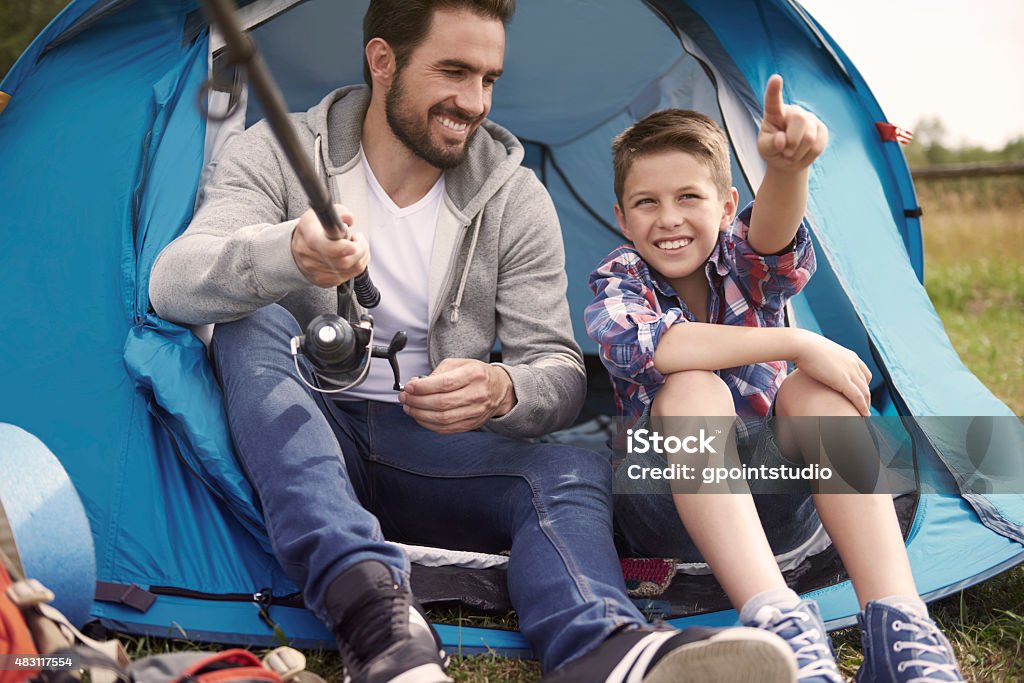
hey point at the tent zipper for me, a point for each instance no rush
(138, 316)
(264, 596)
(263, 599)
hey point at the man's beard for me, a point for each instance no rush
(415, 133)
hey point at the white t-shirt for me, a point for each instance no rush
(401, 240)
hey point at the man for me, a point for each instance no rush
(467, 249)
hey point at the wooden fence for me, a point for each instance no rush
(967, 170)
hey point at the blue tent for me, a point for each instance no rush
(103, 150)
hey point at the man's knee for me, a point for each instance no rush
(573, 466)
(271, 326)
(693, 392)
(272, 320)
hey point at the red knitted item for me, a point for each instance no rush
(647, 577)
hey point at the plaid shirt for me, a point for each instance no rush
(634, 306)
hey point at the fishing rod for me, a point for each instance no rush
(339, 347)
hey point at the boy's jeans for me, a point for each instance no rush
(330, 476)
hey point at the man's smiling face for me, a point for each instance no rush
(439, 98)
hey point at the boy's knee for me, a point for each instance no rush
(694, 392)
(802, 395)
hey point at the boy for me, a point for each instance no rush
(690, 322)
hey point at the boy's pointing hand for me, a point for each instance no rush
(790, 138)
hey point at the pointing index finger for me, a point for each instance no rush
(773, 104)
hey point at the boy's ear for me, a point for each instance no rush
(729, 208)
(620, 217)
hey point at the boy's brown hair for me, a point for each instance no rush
(404, 23)
(679, 130)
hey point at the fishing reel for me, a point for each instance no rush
(340, 352)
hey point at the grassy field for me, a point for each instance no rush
(974, 247)
(974, 273)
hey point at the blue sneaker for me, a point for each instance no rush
(804, 631)
(901, 646)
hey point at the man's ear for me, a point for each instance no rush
(729, 208)
(381, 60)
(620, 217)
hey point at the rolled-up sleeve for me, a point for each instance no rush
(768, 281)
(626, 321)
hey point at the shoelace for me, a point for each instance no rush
(812, 657)
(370, 635)
(926, 639)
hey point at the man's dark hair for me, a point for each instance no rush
(404, 23)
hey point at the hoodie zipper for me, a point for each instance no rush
(448, 277)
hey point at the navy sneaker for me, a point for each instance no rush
(901, 645)
(804, 631)
(693, 655)
(383, 634)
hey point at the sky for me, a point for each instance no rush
(962, 60)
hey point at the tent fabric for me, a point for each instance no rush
(104, 154)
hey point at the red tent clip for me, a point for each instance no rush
(891, 133)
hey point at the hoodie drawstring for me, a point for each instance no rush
(320, 164)
(453, 317)
(317, 154)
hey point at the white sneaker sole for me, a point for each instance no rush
(425, 673)
(736, 655)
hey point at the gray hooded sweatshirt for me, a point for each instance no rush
(497, 268)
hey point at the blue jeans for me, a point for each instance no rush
(647, 523)
(336, 478)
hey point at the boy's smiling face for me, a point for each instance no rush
(672, 213)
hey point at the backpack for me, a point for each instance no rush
(15, 638)
(37, 642)
(30, 628)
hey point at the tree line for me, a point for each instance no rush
(932, 147)
(20, 22)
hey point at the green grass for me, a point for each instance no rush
(974, 265)
(974, 274)
(984, 623)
